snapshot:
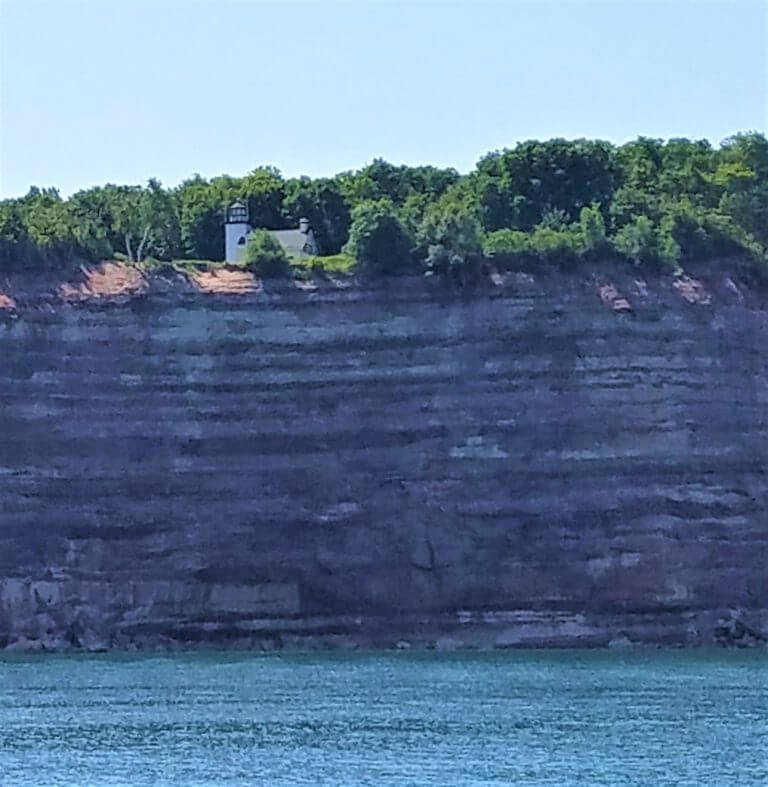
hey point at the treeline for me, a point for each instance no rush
(652, 202)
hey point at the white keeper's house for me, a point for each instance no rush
(299, 242)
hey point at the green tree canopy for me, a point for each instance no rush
(517, 188)
(452, 235)
(322, 202)
(649, 201)
(378, 241)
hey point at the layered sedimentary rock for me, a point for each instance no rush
(540, 461)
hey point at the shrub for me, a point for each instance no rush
(560, 247)
(329, 264)
(638, 241)
(452, 236)
(378, 241)
(592, 229)
(508, 248)
(506, 242)
(265, 256)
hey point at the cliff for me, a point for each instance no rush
(544, 460)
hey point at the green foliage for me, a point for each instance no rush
(743, 176)
(686, 168)
(201, 218)
(202, 204)
(47, 219)
(506, 244)
(322, 202)
(550, 243)
(517, 188)
(682, 233)
(749, 150)
(638, 241)
(331, 265)
(144, 221)
(592, 228)
(378, 241)
(265, 256)
(411, 212)
(640, 163)
(748, 208)
(452, 236)
(263, 189)
(556, 246)
(382, 180)
(36, 231)
(654, 202)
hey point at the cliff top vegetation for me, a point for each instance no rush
(651, 203)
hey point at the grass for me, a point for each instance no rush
(335, 264)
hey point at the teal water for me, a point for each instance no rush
(554, 718)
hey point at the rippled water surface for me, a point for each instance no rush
(386, 718)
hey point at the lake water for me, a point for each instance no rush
(529, 718)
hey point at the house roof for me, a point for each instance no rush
(292, 241)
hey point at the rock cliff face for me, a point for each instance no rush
(545, 461)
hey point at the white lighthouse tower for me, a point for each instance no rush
(236, 231)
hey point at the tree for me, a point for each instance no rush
(517, 188)
(660, 202)
(686, 169)
(592, 229)
(46, 218)
(382, 180)
(265, 256)
(638, 242)
(640, 163)
(683, 233)
(748, 208)
(452, 235)
(263, 188)
(201, 209)
(743, 177)
(378, 240)
(322, 202)
(15, 245)
(147, 219)
(160, 213)
(92, 216)
(412, 211)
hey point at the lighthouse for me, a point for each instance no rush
(236, 231)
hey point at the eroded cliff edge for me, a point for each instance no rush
(543, 461)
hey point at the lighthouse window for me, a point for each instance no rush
(241, 242)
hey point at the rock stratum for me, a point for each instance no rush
(204, 460)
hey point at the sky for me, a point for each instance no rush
(119, 91)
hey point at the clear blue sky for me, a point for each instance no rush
(118, 91)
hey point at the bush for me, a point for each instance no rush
(378, 241)
(546, 244)
(265, 256)
(325, 265)
(560, 247)
(592, 228)
(638, 241)
(504, 242)
(453, 237)
(508, 248)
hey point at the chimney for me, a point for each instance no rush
(304, 225)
